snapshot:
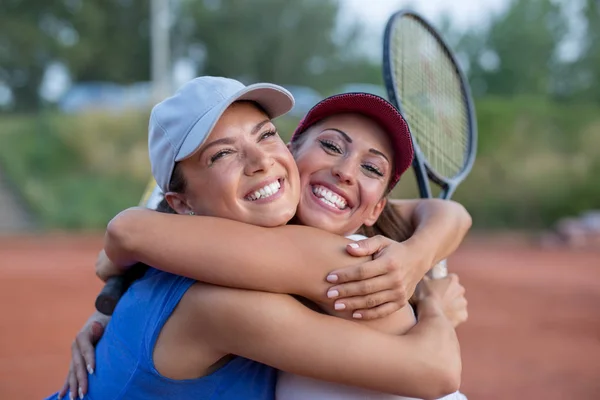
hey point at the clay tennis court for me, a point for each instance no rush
(533, 333)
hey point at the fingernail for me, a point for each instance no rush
(333, 293)
(71, 397)
(80, 394)
(340, 306)
(354, 245)
(357, 315)
(332, 278)
(90, 369)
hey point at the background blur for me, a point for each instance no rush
(75, 92)
(78, 78)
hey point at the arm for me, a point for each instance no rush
(452, 297)
(390, 279)
(439, 227)
(287, 259)
(424, 363)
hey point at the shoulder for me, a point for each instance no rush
(217, 309)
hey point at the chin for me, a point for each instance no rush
(316, 221)
(277, 218)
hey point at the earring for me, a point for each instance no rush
(191, 213)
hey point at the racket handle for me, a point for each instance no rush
(115, 287)
(111, 293)
(439, 270)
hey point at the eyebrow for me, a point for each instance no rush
(349, 140)
(230, 141)
(259, 126)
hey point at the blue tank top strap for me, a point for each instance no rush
(177, 287)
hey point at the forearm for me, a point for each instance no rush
(288, 259)
(439, 226)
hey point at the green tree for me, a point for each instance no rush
(588, 66)
(96, 39)
(288, 42)
(517, 53)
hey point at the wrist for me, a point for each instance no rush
(425, 252)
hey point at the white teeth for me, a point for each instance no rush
(264, 192)
(328, 197)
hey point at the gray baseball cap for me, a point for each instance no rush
(180, 124)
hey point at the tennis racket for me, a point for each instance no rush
(116, 286)
(427, 86)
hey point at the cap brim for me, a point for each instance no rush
(376, 108)
(275, 100)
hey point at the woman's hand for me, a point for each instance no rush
(379, 287)
(451, 295)
(83, 356)
(106, 268)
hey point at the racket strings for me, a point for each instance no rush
(431, 95)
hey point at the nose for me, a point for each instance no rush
(344, 171)
(257, 160)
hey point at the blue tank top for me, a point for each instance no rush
(124, 365)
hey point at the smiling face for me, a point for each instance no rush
(345, 166)
(243, 172)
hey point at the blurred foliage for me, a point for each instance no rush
(76, 171)
(538, 111)
(538, 161)
(517, 53)
(105, 40)
(288, 42)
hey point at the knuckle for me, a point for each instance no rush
(366, 287)
(390, 265)
(361, 272)
(398, 281)
(400, 295)
(372, 302)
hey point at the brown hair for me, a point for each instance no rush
(177, 184)
(390, 225)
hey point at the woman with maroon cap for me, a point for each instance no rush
(351, 150)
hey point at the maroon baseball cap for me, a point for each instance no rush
(376, 108)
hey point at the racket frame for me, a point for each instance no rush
(421, 166)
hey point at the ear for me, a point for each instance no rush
(178, 202)
(376, 212)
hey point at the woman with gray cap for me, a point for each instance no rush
(266, 210)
